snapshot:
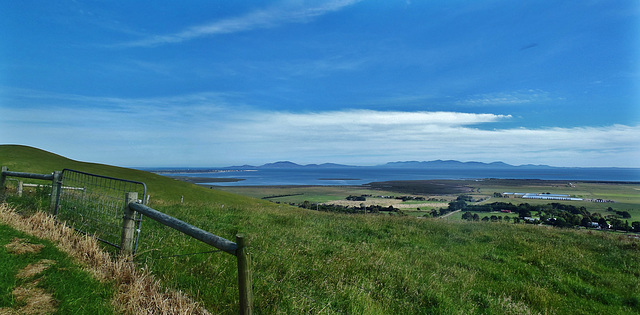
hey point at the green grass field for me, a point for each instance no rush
(36, 278)
(312, 262)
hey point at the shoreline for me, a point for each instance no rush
(201, 180)
(209, 182)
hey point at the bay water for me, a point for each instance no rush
(364, 175)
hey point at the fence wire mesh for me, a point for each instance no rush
(94, 204)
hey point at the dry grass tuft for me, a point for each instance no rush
(22, 246)
(137, 291)
(510, 306)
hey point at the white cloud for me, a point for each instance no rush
(373, 118)
(258, 19)
(205, 129)
(361, 136)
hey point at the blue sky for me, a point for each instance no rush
(217, 83)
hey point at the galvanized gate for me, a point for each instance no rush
(93, 204)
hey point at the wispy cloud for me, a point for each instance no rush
(207, 129)
(519, 97)
(258, 19)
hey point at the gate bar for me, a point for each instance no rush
(218, 242)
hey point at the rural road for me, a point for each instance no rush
(448, 214)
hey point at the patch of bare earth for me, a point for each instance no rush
(33, 300)
(22, 246)
(36, 300)
(35, 269)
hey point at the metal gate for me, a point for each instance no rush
(94, 204)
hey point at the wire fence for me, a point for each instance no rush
(93, 204)
(109, 209)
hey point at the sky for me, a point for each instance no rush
(220, 83)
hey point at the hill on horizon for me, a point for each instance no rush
(397, 164)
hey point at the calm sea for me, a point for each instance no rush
(364, 175)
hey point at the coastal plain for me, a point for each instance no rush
(621, 196)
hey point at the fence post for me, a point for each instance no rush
(244, 276)
(56, 184)
(20, 188)
(3, 181)
(128, 225)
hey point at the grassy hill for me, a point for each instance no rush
(27, 159)
(312, 262)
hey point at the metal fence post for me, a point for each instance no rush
(244, 276)
(128, 225)
(56, 185)
(3, 181)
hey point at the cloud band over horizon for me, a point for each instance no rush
(211, 132)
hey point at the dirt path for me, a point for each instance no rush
(448, 214)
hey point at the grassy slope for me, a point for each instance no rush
(27, 159)
(308, 262)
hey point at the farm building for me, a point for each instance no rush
(550, 197)
(541, 196)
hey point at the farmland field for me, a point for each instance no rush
(625, 196)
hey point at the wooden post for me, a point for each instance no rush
(244, 276)
(3, 180)
(20, 188)
(56, 185)
(128, 225)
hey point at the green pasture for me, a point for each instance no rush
(301, 193)
(314, 262)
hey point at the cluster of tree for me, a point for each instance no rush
(494, 218)
(346, 209)
(407, 198)
(279, 196)
(459, 204)
(555, 214)
(403, 198)
(623, 214)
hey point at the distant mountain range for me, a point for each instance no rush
(458, 164)
(437, 164)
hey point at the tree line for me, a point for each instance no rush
(555, 214)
